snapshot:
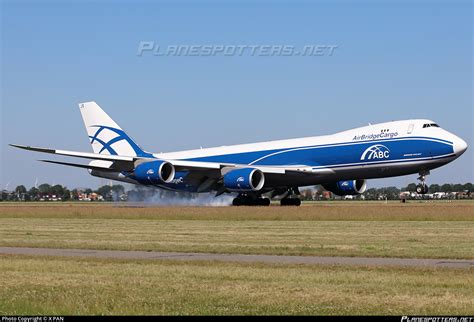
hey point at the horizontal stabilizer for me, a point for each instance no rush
(76, 154)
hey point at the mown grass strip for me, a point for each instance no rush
(406, 239)
(337, 211)
(62, 286)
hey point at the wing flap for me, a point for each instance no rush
(215, 166)
(195, 165)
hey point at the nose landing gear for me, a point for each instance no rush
(422, 188)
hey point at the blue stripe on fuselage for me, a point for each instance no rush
(335, 156)
(408, 148)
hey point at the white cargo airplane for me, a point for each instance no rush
(340, 162)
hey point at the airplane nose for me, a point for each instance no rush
(459, 146)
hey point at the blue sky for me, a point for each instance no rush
(394, 60)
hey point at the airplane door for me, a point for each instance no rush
(410, 128)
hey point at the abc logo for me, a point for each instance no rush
(376, 152)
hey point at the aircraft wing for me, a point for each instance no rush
(127, 163)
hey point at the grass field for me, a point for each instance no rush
(42, 285)
(61, 286)
(346, 210)
(373, 230)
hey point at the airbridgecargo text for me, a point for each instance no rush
(372, 136)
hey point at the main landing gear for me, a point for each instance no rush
(290, 202)
(248, 200)
(290, 199)
(422, 188)
(252, 199)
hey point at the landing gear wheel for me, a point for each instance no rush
(248, 201)
(237, 202)
(422, 188)
(290, 202)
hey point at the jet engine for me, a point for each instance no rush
(246, 179)
(348, 187)
(154, 172)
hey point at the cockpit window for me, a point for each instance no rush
(430, 125)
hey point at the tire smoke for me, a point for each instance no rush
(144, 196)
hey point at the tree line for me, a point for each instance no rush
(393, 193)
(46, 191)
(118, 193)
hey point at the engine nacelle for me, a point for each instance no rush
(349, 187)
(246, 179)
(154, 172)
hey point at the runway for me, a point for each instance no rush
(240, 258)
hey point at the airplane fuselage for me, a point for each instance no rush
(373, 151)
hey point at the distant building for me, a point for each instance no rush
(463, 195)
(82, 196)
(327, 194)
(49, 197)
(439, 195)
(436, 195)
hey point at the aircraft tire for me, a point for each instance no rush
(290, 202)
(237, 202)
(421, 189)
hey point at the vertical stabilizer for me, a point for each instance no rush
(106, 136)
